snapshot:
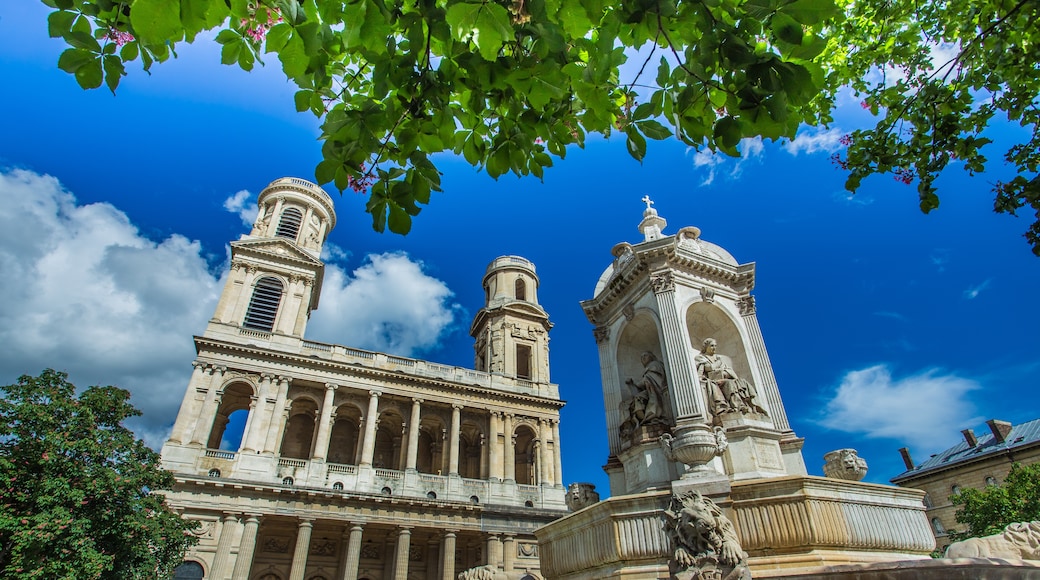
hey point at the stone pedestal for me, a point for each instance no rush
(645, 463)
(754, 448)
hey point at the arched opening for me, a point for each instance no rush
(299, 430)
(289, 224)
(263, 305)
(189, 570)
(470, 451)
(214, 472)
(520, 289)
(429, 456)
(389, 436)
(343, 441)
(230, 422)
(525, 455)
(938, 527)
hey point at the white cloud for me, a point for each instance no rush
(331, 252)
(84, 292)
(749, 148)
(814, 140)
(920, 410)
(388, 304)
(241, 203)
(973, 292)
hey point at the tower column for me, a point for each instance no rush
(508, 552)
(187, 415)
(758, 347)
(303, 312)
(350, 570)
(224, 541)
(259, 416)
(243, 300)
(303, 545)
(453, 452)
(448, 556)
(277, 423)
(321, 445)
(250, 427)
(246, 547)
(493, 550)
(209, 407)
(510, 449)
(369, 448)
(494, 455)
(404, 544)
(413, 436)
(557, 456)
(688, 398)
(545, 477)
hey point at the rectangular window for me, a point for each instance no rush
(523, 361)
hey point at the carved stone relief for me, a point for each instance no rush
(746, 305)
(276, 545)
(629, 312)
(601, 334)
(663, 282)
(370, 552)
(704, 542)
(844, 464)
(708, 295)
(323, 547)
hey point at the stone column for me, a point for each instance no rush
(508, 552)
(246, 295)
(274, 431)
(448, 556)
(390, 556)
(204, 424)
(453, 452)
(404, 545)
(227, 535)
(369, 448)
(493, 549)
(350, 570)
(413, 436)
(301, 236)
(247, 445)
(547, 461)
(321, 445)
(683, 386)
(290, 304)
(187, 415)
(431, 558)
(303, 311)
(494, 457)
(259, 417)
(510, 449)
(769, 388)
(557, 456)
(303, 546)
(246, 547)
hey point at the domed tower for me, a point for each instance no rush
(512, 330)
(276, 271)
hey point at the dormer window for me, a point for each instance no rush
(263, 306)
(289, 225)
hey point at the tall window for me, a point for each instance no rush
(289, 225)
(263, 306)
(520, 289)
(523, 361)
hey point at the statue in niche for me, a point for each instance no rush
(704, 541)
(647, 403)
(727, 393)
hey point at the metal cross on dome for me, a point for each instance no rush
(647, 201)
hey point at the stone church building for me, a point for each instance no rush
(356, 464)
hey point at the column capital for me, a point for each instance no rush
(375, 393)
(269, 377)
(195, 364)
(285, 379)
(451, 533)
(746, 304)
(418, 401)
(305, 522)
(601, 334)
(229, 517)
(662, 282)
(251, 518)
(457, 406)
(331, 386)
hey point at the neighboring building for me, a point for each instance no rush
(356, 464)
(973, 463)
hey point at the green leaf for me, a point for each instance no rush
(231, 51)
(786, 28)
(486, 24)
(654, 130)
(727, 135)
(157, 21)
(635, 143)
(277, 37)
(294, 57)
(199, 15)
(810, 12)
(74, 58)
(89, 75)
(114, 71)
(59, 23)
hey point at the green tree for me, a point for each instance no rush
(77, 489)
(511, 84)
(987, 511)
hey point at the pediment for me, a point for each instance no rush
(274, 248)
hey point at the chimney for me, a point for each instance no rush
(969, 436)
(906, 458)
(1000, 429)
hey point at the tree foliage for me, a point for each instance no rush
(77, 489)
(510, 84)
(987, 511)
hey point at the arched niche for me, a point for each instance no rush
(706, 320)
(344, 439)
(640, 335)
(524, 455)
(389, 437)
(430, 453)
(299, 429)
(470, 439)
(229, 424)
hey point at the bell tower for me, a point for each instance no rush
(512, 330)
(276, 270)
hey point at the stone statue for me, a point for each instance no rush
(1020, 541)
(727, 393)
(580, 496)
(704, 542)
(844, 464)
(648, 400)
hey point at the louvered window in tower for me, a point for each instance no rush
(289, 225)
(263, 306)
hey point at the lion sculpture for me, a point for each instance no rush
(581, 495)
(1019, 541)
(704, 542)
(844, 464)
(493, 573)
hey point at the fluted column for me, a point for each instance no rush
(508, 552)
(493, 550)
(277, 424)
(404, 545)
(431, 558)
(413, 435)
(321, 445)
(246, 548)
(350, 570)
(510, 445)
(186, 415)
(303, 546)
(259, 417)
(224, 541)
(769, 387)
(448, 556)
(547, 461)
(247, 445)
(682, 383)
(209, 408)
(303, 311)
(453, 452)
(245, 296)
(557, 455)
(369, 448)
(494, 456)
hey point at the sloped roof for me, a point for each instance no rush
(1021, 435)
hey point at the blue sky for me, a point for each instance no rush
(885, 327)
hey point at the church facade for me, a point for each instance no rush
(355, 464)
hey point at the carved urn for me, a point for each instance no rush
(695, 445)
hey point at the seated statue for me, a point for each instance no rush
(727, 393)
(647, 403)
